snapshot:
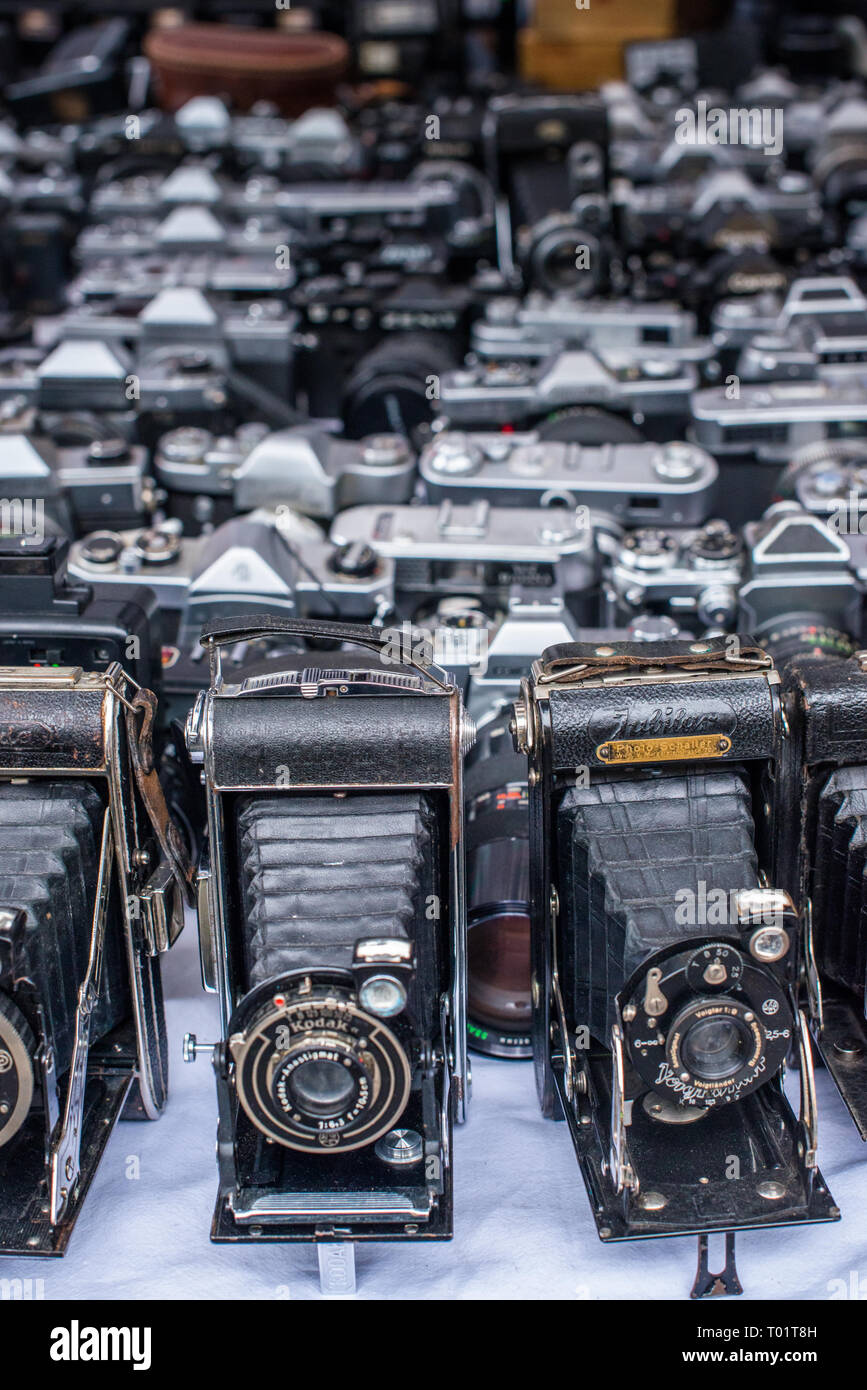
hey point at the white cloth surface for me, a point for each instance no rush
(523, 1227)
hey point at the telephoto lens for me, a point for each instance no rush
(498, 889)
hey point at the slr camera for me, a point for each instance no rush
(332, 928)
(624, 389)
(665, 965)
(80, 486)
(208, 479)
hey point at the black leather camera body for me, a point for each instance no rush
(664, 966)
(822, 857)
(93, 877)
(332, 928)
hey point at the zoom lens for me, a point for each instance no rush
(796, 635)
(498, 868)
(499, 971)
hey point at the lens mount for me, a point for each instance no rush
(17, 1048)
(705, 1024)
(315, 1072)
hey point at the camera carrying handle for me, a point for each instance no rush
(254, 627)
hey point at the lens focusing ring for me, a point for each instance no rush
(700, 1047)
(315, 1072)
(713, 1039)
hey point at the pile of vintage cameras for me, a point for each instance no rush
(433, 556)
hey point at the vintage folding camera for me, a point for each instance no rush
(665, 968)
(208, 479)
(93, 879)
(333, 929)
(654, 391)
(672, 483)
(543, 153)
(821, 833)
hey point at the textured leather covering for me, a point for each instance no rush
(833, 696)
(360, 741)
(839, 859)
(626, 849)
(52, 729)
(742, 709)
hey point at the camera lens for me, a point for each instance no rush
(715, 1048)
(322, 1088)
(793, 636)
(498, 945)
(499, 971)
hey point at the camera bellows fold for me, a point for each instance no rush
(838, 883)
(642, 855)
(49, 864)
(320, 873)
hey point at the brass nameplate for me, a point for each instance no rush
(663, 750)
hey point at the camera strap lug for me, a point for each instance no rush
(726, 1282)
(65, 1146)
(562, 665)
(162, 923)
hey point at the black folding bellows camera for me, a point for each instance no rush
(93, 876)
(823, 851)
(332, 927)
(664, 965)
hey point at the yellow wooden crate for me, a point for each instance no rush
(568, 67)
(605, 21)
